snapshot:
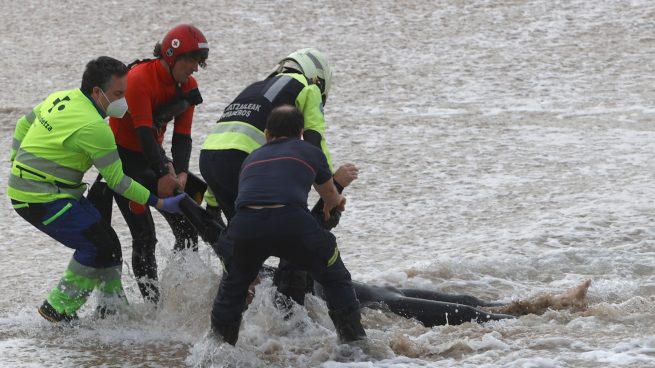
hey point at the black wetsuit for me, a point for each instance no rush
(142, 227)
(429, 307)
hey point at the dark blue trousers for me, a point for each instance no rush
(77, 225)
(291, 233)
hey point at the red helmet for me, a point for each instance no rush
(182, 39)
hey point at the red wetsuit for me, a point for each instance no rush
(149, 86)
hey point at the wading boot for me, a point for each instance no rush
(348, 323)
(227, 332)
(48, 312)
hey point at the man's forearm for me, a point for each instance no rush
(152, 151)
(181, 151)
(329, 194)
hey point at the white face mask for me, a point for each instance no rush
(116, 108)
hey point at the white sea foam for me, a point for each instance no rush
(506, 150)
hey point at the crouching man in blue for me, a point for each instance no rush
(272, 220)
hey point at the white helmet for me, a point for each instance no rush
(313, 65)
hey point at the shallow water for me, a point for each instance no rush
(505, 151)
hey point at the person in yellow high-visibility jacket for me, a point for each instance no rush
(302, 79)
(53, 146)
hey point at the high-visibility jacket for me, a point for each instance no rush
(243, 121)
(56, 143)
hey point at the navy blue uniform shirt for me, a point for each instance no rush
(281, 172)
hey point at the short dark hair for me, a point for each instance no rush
(285, 121)
(98, 73)
(199, 55)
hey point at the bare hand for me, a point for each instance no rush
(171, 168)
(341, 206)
(181, 178)
(166, 185)
(346, 174)
(251, 290)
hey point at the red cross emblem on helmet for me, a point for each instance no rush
(182, 39)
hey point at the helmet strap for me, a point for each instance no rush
(169, 67)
